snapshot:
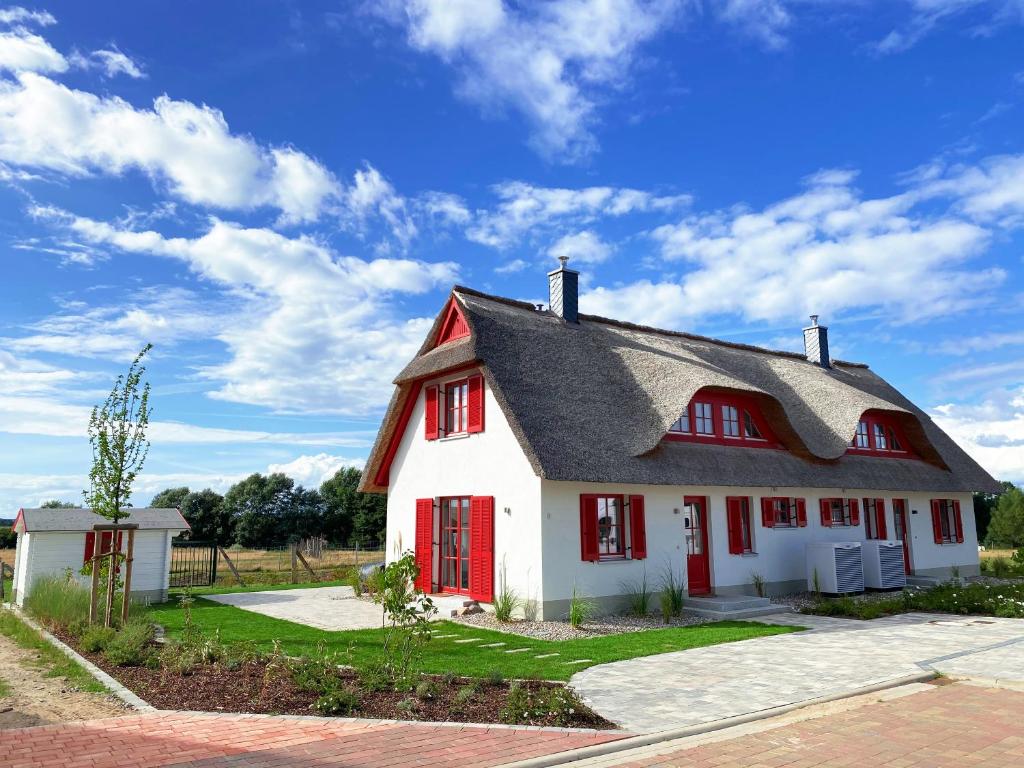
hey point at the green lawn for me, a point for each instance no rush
(49, 658)
(224, 589)
(445, 654)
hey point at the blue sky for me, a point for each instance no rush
(279, 196)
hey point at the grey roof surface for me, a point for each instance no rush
(593, 401)
(84, 519)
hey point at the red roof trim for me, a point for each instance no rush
(454, 325)
(21, 516)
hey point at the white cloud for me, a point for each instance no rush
(372, 194)
(516, 265)
(992, 432)
(23, 51)
(585, 247)
(549, 61)
(314, 331)
(110, 62)
(992, 189)
(825, 250)
(312, 470)
(928, 15)
(525, 209)
(189, 148)
(763, 20)
(15, 14)
(984, 343)
(449, 208)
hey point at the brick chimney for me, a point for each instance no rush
(816, 343)
(564, 291)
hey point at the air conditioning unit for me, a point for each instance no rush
(838, 566)
(883, 565)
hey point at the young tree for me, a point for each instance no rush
(170, 498)
(117, 434)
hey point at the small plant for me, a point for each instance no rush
(342, 701)
(639, 596)
(671, 595)
(426, 689)
(757, 580)
(954, 573)
(465, 695)
(374, 677)
(556, 706)
(816, 580)
(355, 580)
(581, 610)
(317, 673)
(1000, 567)
(95, 639)
(406, 620)
(495, 677)
(130, 647)
(507, 601)
(58, 601)
(408, 707)
(531, 609)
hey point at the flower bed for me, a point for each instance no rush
(976, 599)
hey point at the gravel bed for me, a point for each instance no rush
(807, 599)
(562, 630)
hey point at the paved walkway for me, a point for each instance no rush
(949, 727)
(701, 685)
(330, 608)
(262, 741)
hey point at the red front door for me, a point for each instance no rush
(695, 528)
(455, 544)
(899, 514)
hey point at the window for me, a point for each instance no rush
(682, 424)
(874, 519)
(877, 433)
(456, 405)
(738, 518)
(840, 513)
(727, 419)
(782, 512)
(947, 523)
(605, 522)
(611, 541)
(705, 420)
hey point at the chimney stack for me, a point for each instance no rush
(816, 343)
(564, 288)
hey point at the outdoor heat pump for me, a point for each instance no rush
(883, 565)
(838, 566)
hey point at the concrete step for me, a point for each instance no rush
(745, 613)
(726, 602)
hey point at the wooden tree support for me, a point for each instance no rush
(231, 565)
(302, 560)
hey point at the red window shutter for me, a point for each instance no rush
(475, 418)
(424, 543)
(637, 527)
(481, 548)
(801, 513)
(734, 518)
(90, 545)
(937, 520)
(767, 513)
(430, 421)
(588, 528)
(959, 522)
(854, 512)
(826, 512)
(883, 533)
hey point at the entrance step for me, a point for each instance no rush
(923, 581)
(726, 607)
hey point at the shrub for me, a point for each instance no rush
(95, 639)
(58, 601)
(317, 673)
(426, 689)
(465, 695)
(671, 595)
(342, 701)
(130, 647)
(639, 596)
(1000, 567)
(507, 600)
(757, 580)
(581, 610)
(495, 677)
(355, 580)
(408, 707)
(523, 705)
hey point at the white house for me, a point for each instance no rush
(569, 451)
(55, 541)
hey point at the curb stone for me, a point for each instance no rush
(647, 739)
(111, 684)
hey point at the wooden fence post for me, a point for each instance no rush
(295, 564)
(302, 559)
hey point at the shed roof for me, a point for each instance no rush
(593, 401)
(54, 520)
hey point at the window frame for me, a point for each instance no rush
(947, 522)
(791, 520)
(621, 525)
(847, 513)
(879, 432)
(746, 523)
(870, 512)
(716, 404)
(463, 408)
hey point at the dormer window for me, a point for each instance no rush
(878, 433)
(721, 418)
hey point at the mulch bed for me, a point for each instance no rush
(256, 688)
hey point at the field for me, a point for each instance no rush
(272, 566)
(990, 553)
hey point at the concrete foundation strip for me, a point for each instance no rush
(112, 685)
(647, 739)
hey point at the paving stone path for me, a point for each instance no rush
(260, 741)
(701, 685)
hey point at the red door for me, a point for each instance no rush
(455, 532)
(899, 515)
(695, 528)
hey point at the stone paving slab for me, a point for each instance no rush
(330, 608)
(218, 741)
(838, 656)
(944, 727)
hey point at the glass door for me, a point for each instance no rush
(455, 544)
(899, 525)
(695, 528)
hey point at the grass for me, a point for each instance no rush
(446, 655)
(55, 663)
(8, 589)
(5, 690)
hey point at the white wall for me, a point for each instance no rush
(47, 553)
(488, 463)
(780, 552)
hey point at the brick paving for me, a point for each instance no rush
(951, 726)
(261, 741)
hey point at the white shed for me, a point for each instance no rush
(54, 541)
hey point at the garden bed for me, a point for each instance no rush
(981, 597)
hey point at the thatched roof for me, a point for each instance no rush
(592, 402)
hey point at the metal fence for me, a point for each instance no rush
(193, 564)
